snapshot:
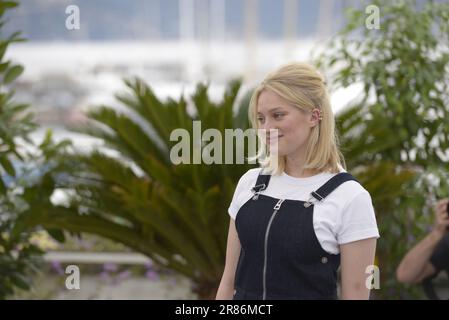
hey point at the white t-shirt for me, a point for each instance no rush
(345, 215)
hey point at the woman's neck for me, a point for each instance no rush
(294, 166)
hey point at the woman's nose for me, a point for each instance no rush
(269, 130)
(268, 125)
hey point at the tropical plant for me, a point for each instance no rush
(20, 172)
(173, 213)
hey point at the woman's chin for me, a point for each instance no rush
(276, 149)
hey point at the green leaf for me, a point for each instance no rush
(4, 66)
(20, 281)
(12, 74)
(2, 186)
(8, 4)
(57, 234)
(3, 47)
(7, 165)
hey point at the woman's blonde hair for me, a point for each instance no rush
(302, 86)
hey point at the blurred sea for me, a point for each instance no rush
(63, 79)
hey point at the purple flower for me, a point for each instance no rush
(110, 267)
(56, 266)
(149, 265)
(151, 275)
(124, 275)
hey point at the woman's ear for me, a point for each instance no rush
(316, 117)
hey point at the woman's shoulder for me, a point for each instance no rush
(243, 190)
(350, 189)
(250, 176)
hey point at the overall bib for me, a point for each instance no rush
(281, 257)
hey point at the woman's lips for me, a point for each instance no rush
(272, 139)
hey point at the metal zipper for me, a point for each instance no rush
(276, 209)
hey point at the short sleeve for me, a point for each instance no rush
(235, 203)
(358, 220)
(440, 257)
(242, 191)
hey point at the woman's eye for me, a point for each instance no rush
(278, 115)
(260, 119)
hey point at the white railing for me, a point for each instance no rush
(97, 257)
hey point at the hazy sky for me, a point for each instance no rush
(159, 19)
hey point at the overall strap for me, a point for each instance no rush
(331, 185)
(261, 184)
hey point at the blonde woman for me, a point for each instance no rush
(300, 216)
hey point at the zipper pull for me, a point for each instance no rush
(257, 190)
(278, 204)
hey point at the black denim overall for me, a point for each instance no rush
(281, 257)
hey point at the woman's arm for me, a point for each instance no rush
(226, 288)
(355, 258)
(415, 266)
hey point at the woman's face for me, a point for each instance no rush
(293, 124)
